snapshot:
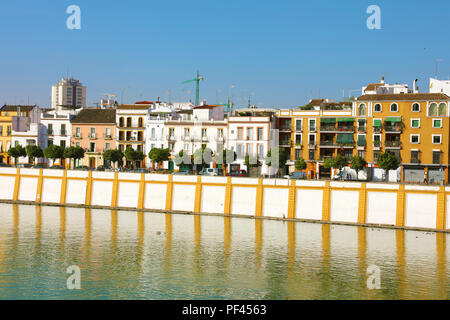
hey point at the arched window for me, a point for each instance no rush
(394, 107)
(442, 110)
(377, 108)
(433, 110)
(140, 122)
(121, 122)
(362, 109)
(129, 122)
(415, 107)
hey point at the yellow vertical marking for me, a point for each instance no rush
(141, 192)
(292, 200)
(169, 193)
(401, 263)
(89, 189)
(198, 195)
(326, 202)
(228, 196)
(115, 190)
(259, 199)
(441, 209)
(400, 220)
(16, 185)
(63, 188)
(39, 186)
(362, 204)
(441, 264)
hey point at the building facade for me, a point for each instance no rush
(94, 131)
(70, 93)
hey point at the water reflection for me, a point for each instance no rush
(142, 255)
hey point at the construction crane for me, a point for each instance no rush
(197, 88)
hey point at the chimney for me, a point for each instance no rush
(382, 80)
(415, 88)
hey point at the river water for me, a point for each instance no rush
(131, 255)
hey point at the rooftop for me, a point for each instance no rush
(404, 97)
(95, 116)
(14, 108)
(133, 107)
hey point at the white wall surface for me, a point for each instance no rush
(213, 199)
(309, 204)
(275, 202)
(344, 206)
(155, 196)
(183, 197)
(101, 193)
(420, 210)
(51, 190)
(76, 192)
(128, 194)
(381, 207)
(7, 187)
(243, 200)
(27, 189)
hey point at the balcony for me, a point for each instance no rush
(92, 136)
(392, 144)
(377, 129)
(205, 139)
(392, 129)
(311, 145)
(49, 132)
(63, 132)
(345, 128)
(171, 138)
(298, 129)
(328, 128)
(285, 143)
(376, 145)
(362, 129)
(108, 136)
(298, 145)
(285, 128)
(415, 160)
(220, 139)
(77, 135)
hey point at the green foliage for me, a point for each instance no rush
(357, 163)
(17, 152)
(276, 157)
(113, 155)
(388, 161)
(157, 155)
(300, 164)
(337, 163)
(328, 163)
(307, 107)
(34, 151)
(54, 152)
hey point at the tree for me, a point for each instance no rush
(73, 153)
(388, 161)
(202, 157)
(300, 164)
(357, 163)
(336, 163)
(157, 155)
(54, 152)
(225, 157)
(113, 155)
(276, 158)
(34, 152)
(17, 152)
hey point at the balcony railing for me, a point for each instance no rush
(49, 132)
(298, 129)
(415, 160)
(389, 128)
(377, 143)
(362, 129)
(392, 144)
(92, 136)
(346, 128)
(285, 128)
(327, 128)
(377, 129)
(327, 143)
(63, 132)
(285, 143)
(77, 135)
(108, 136)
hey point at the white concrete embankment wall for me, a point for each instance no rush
(409, 206)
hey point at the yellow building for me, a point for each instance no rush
(6, 125)
(413, 126)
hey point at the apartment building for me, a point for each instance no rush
(94, 131)
(131, 122)
(18, 119)
(69, 93)
(252, 133)
(57, 126)
(413, 126)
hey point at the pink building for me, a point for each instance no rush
(94, 131)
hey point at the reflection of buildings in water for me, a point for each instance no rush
(168, 242)
(441, 264)
(140, 240)
(62, 227)
(258, 242)
(401, 264)
(38, 227)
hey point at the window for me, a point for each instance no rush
(186, 132)
(362, 109)
(1, 130)
(415, 138)
(361, 153)
(186, 147)
(376, 140)
(107, 146)
(311, 154)
(62, 143)
(298, 125)
(437, 138)
(260, 133)
(203, 133)
(394, 107)
(50, 129)
(220, 133)
(415, 123)
(140, 122)
(240, 133)
(108, 132)
(121, 122)
(261, 154)
(312, 139)
(298, 154)
(78, 144)
(249, 133)
(298, 140)
(92, 147)
(433, 109)
(78, 132)
(312, 124)
(129, 122)
(414, 156)
(92, 132)
(442, 110)
(376, 154)
(415, 107)
(436, 157)
(63, 129)
(171, 132)
(437, 123)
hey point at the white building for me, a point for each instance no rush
(254, 135)
(69, 92)
(131, 123)
(384, 88)
(440, 86)
(57, 127)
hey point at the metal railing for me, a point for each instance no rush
(392, 144)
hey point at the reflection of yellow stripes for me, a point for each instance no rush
(16, 186)
(440, 214)
(39, 186)
(169, 193)
(63, 188)
(400, 219)
(115, 190)
(89, 189)
(228, 197)
(362, 204)
(141, 197)
(326, 202)
(259, 199)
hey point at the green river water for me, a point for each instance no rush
(131, 255)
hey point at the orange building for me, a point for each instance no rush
(94, 131)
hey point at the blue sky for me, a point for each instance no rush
(281, 51)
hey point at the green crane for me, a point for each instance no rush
(197, 88)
